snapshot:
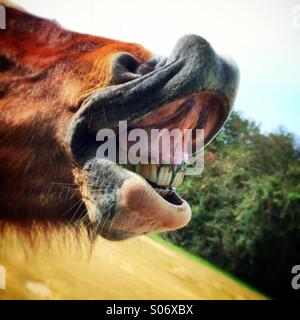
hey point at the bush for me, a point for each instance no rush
(246, 206)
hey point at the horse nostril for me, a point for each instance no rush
(123, 68)
(128, 62)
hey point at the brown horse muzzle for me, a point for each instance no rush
(59, 89)
(193, 88)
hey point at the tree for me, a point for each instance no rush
(246, 206)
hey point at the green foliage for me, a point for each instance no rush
(246, 206)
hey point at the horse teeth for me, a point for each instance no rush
(178, 179)
(148, 171)
(163, 192)
(164, 176)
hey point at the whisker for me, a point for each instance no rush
(74, 205)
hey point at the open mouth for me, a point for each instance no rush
(192, 89)
(206, 111)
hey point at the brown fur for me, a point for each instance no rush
(46, 72)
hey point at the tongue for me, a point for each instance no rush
(164, 139)
(164, 136)
(155, 146)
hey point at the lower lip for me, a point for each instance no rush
(136, 196)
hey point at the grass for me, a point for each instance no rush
(197, 259)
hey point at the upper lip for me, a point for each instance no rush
(192, 67)
(99, 111)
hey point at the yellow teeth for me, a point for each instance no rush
(178, 179)
(148, 171)
(162, 175)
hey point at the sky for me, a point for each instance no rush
(262, 36)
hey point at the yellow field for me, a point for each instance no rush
(139, 268)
